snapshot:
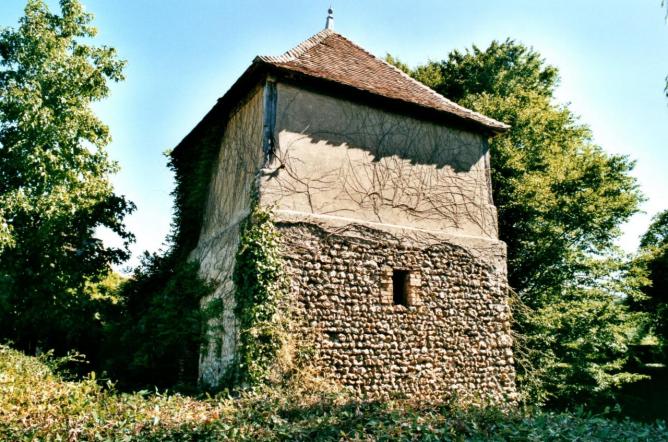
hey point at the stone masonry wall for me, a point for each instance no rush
(327, 166)
(452, 338)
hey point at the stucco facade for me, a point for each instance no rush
(233, 178)
(343, 159)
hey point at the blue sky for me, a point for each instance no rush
(182, 56)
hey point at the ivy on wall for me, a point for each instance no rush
(154, 335)
(257, 276)
(260, 287)
(193, 170)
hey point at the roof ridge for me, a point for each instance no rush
(299, 50)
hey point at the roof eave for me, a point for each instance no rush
(225, 104)
(260, 68)
(395, 104)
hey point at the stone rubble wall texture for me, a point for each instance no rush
(454, 339)
(357, 193)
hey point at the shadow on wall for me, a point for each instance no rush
(383, 134)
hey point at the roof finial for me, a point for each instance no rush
(330, 18)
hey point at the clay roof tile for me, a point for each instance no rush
(330, 56)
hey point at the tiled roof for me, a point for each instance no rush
(330, 56)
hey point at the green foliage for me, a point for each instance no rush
(154, 334)
(657, 232)
(259, 284)
(54, 179)
(579, 348)
(36, 405)
(500, 70)
(107, 289)
(155, 330)
(560, 200)
(193, 168)
(397, 63)
(653, 256)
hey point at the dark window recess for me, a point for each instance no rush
(400, 287)
(332, 336)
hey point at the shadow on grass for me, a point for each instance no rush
(647, 400)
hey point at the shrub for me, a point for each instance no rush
(154, 334)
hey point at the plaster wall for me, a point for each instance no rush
(233, 177)
(342, 159)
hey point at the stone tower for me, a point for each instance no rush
(380, 188)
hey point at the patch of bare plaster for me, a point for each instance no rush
(233, 181)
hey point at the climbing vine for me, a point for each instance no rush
(193, 169)
(260, 288)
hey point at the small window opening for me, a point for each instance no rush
(400, 280)
(332, 336)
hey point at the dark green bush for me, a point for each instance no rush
(154, 334)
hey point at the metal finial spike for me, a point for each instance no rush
(330, 18)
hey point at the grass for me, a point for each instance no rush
(36, 404)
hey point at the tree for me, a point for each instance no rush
(653, 254)
(560, 199)
(54, 178)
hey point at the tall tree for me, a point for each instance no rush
(54, 177)
(560, 199)
(654, 255)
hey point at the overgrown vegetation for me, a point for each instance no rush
(653, 257)
(35, 404)
(259, 289)
(154, 334)
(55, 188)
(56, 288)
(561, 200)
